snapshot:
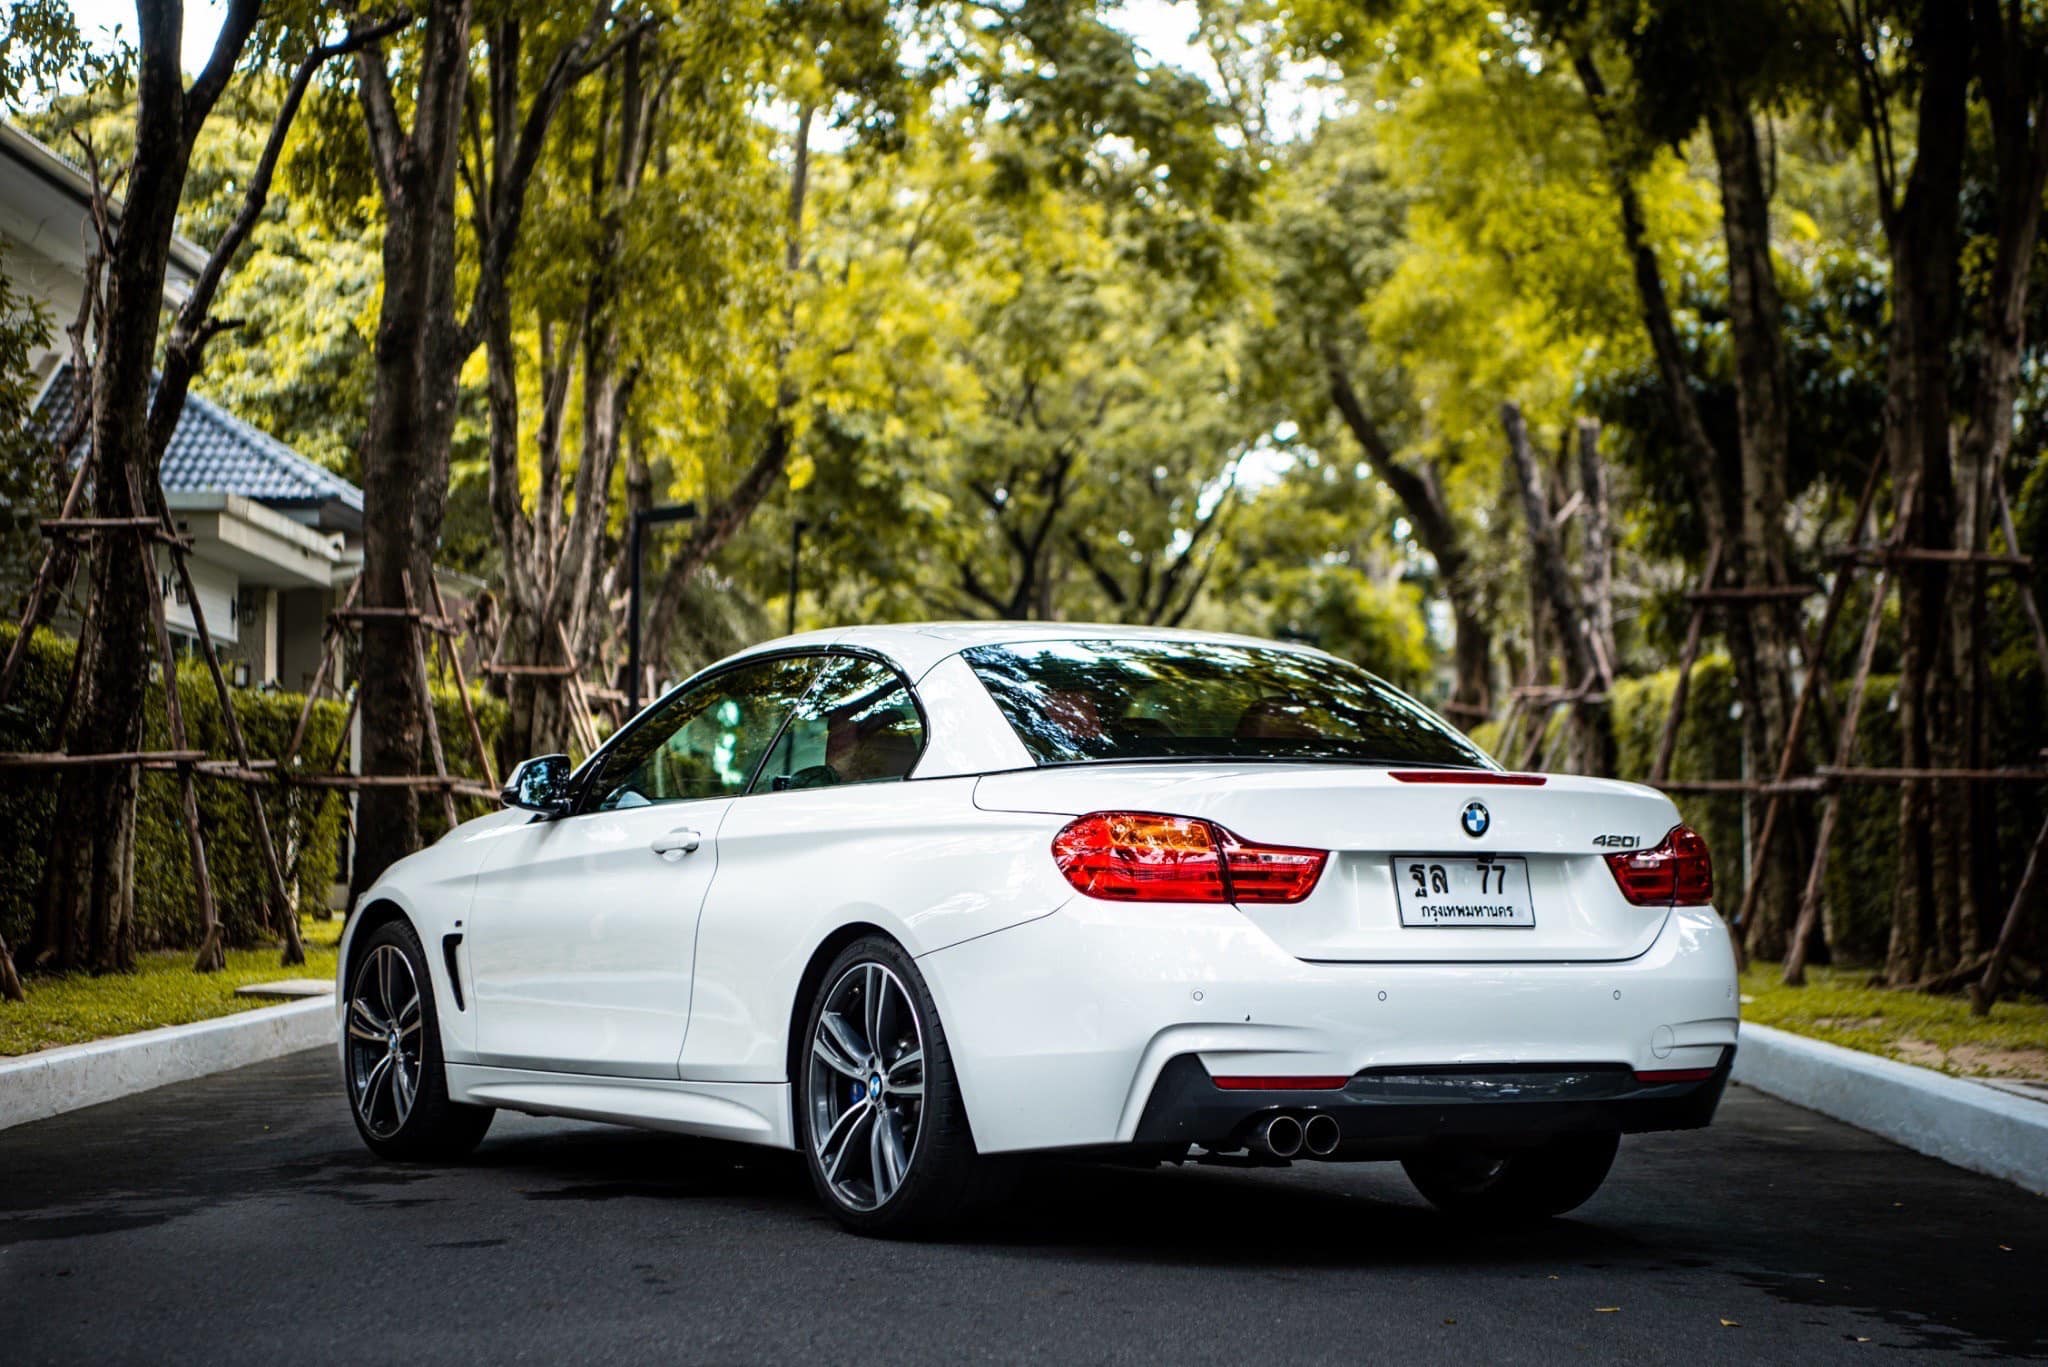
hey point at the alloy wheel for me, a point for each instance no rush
(866, 1086)
(384, 1018)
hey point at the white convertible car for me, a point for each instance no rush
(909, 898)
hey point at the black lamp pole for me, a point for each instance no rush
(674, 512)
(796, 537)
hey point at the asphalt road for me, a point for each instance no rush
(238, 1219)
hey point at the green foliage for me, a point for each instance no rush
(41, 47)
(303, 820)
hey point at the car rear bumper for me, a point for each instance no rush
(1093, 1026)
(1391, 1111)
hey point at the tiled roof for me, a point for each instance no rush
(212, 450)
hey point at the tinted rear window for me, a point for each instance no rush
(1072, 701)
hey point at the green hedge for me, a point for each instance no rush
(1863, 855)
(166, 913)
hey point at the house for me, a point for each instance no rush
(46, 237)
(277, 539)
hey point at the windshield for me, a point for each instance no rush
(1073, 701)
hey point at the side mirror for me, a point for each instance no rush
(539, 785)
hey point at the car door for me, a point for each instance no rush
(583, 927)
(818, 817)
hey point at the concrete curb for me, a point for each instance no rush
(36, 1086)
(1954, 1119)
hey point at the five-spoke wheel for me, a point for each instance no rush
(879, 1116)
(384, 1041)
(397, 1084)
(866, 1085)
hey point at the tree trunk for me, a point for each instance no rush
(418, 360)
(86, 900)
(2016, 99)
(1740, 494)
(1925, 241)
(1430, 514)
(1560, 597)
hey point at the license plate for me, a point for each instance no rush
(1438, 890)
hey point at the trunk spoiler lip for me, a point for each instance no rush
(1471, 776)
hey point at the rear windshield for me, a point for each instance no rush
(1074, 701)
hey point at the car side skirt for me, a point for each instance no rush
(749, 1112)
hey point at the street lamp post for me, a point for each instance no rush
(796, 538)
(642, 518)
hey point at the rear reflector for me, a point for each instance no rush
(1147, 857)
(1281, 1084)
(1679, 872)
(1651, 1079)
(1474, 777)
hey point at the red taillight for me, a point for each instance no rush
(1146, 857)
(1659, 1077)
(1281, 1084)
(1678, 872)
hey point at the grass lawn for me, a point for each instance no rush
(75, 1007)
(1836, 1005)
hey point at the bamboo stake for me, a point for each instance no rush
(212, 955)
(586, 729)
(1795, 727)
(32, 613)
(1845, 746)
(1985, 992)
(2026, 589)
(419, 656)
(476, 730)
(1667, 739)
(1572, 705)
(329, 637)
(286, 920)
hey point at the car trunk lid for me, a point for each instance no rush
(1390, 830)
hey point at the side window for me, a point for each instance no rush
(858, 725)
(705, 742)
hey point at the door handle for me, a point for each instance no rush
(676, 843)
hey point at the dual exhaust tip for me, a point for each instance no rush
(1283, 1135)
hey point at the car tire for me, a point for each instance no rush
(392, 1067)
(899, 1161)
(1510, 1188)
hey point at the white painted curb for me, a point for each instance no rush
(36, 1086)
(1954, 1119)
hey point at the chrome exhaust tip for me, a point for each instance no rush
(1320, 1135)
(1278, 1135)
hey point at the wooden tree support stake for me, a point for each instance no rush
(1667, 739)
(212, 954)
(1802, 707)
(419, 659)
(476, 730)
(284, 916)
(1845, 748)
(1984, 993)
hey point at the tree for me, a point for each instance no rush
(418, 147)
(85, 909)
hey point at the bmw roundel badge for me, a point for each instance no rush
(1475, 819)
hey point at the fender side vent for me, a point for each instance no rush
(449, 944)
